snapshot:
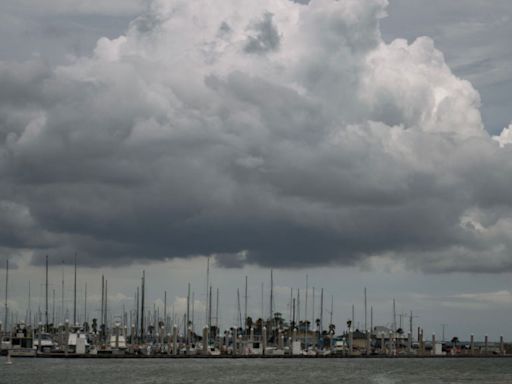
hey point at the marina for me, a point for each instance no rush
(151, 333)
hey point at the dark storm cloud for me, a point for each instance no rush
(176, 140)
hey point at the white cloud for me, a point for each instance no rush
(505, 137)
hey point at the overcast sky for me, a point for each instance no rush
(363, 143)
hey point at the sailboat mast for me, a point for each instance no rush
(29, 315)
(262, 306)
(245, 302)
(210, 310)
(306, 313)
(217, 311)
(102, 298)
(53, 307)
(332, 308)
(85, 303)
(46, 297)
(207, 288)
(365, 312)
(137, 312)
(106, 305)
(321, 311)
(142, 306)
(239, 309)
(6, 293)
(187, 319)
(313, 305)
(271, 295)
(165, 311)
(74, 297)
(62, 295)
(193, 300)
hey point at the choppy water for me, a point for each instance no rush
(311, 371)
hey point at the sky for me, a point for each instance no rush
(362, 143)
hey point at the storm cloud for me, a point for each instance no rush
(272, 132)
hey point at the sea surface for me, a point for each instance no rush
(204, 371)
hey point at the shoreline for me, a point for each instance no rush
(335, 357)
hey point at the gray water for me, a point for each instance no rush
(202, 371)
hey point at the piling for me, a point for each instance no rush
(382, 344)
(433, 344)
(189, 339)
(66, 337)
(39, 337)
(472, 344)
(368, 343)
(409, 343)
(174, 339)
(116, 330)
(264, 339)
(486, 344)
(205, 340)
(350, 341)
(502, 346)
(421, 343)
(233, 339)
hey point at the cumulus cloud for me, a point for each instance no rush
(273, 132)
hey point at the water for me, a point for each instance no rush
(310, 371)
